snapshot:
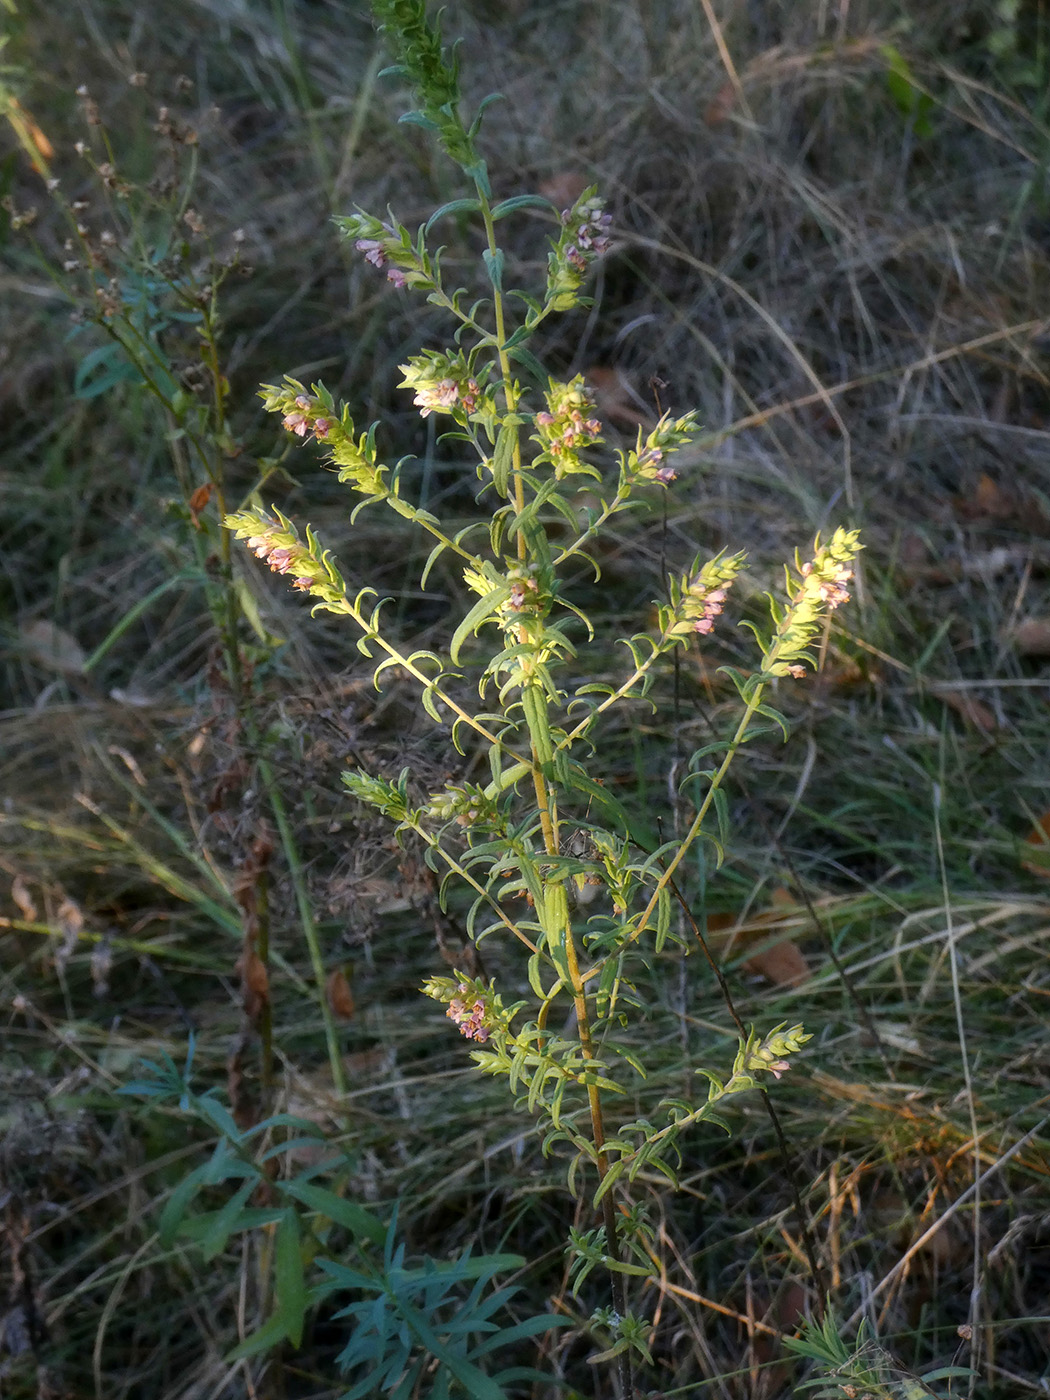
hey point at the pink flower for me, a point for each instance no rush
(470, 1023)
(297, 423)
(395, 275)
(373, 251)
(280, 560)
(431, 397)
(322, 427)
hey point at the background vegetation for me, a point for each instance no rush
(832, 233)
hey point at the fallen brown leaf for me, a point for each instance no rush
(198, 501)
(340, 997)
(1032, 636)
(991, 500)
(53, 647)
(564, 189)
(781, 962)
(23, 899)
(34, 141)
(1039, 841)
(974, 712)
(720, 108)
(1006, 504)
(615, 398)
(255, 984)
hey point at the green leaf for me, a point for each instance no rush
(267, 1336)
(219, 1117)
(454, 206)
(777, 718)
(478, 614)
(542, 1322)
(113, 369)
(432, 559)
(175, 1206)
(224, 1222)
(503, 457)
(480, 1266)
(415, 118)
(528, 359)
(289, 1285)
(483, 106)
(494, 266)
(430, 704)
(521, 201)
(197, 1228)
(360, 1222)
(479, 173)
(250, 611)
(293, 1145)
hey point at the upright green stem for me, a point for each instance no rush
(557, 925)
(509, 397)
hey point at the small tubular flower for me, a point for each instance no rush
(769, 1055)
(647, 461)
(445, 384)
(815, 588)
(472, 1004)
(278, 545)
(567, 425)
(583, 238)
(697, 598)
(316, 413)
(390, 247)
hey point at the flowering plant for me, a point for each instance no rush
(551, 862)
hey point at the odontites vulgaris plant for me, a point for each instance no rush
(553, 867)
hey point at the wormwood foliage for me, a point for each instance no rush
(406, 1321)
(861, 1370)
(555, 868)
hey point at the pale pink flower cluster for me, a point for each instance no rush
(591, 236)
(442, 396)
(470, 1023)
(649, 458)
(520, 590)
(833, 590)
(280, 558)
(376, 254)
(712, 608)
(574, 428)
(300, 422)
